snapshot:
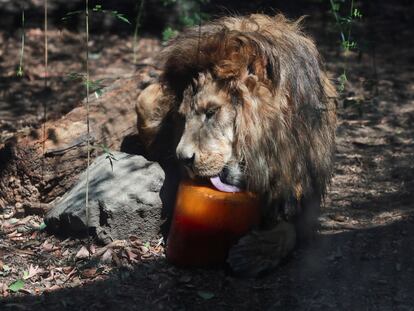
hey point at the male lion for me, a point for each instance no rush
(249, 102)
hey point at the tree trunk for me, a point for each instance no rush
(33, 174)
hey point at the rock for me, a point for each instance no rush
(124, 199)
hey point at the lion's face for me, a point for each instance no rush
(207, 140)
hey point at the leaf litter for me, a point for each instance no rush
(38, 262)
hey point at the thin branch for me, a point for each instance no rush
(46, 74)
(137, 25)
(87, 119)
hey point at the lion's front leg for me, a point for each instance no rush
(262, 250)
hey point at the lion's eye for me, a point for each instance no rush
(211, 112)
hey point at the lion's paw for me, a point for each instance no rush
(260, 251)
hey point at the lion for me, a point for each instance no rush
(247, 99)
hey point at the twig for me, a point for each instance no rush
(87, 121)
(113, 245)
(45, 89)
(137, 24)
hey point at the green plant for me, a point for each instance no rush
(109, 155)
(189, 15)
(342, 81)
(16, 285)
(20, 68)
(95, 86)
(169, 33)
(116, 14)
(344, 24)
(97, 9)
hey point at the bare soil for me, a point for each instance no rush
(362, 258)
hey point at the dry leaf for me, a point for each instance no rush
(135, 240)
(113, 245)
(32, 272)
(89, 273)
(4, 290)
(47, 246)
(52, 288)
(82, 253)
(143, 249)
(67, 270)
(51, 277)
(107, 256)
(116, 259)
(92, 249)
(131, 256)
(13, 234)
(24, 220)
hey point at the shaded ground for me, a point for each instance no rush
(362, 259)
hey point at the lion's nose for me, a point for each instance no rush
(187, 159)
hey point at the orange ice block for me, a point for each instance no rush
(207, 222)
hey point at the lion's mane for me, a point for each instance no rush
(284, 100)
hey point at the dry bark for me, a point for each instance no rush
(33, 174)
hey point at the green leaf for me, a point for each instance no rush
(98, 93)
(16, 286)
(342, 82)
(123, 18)
(69, 15)
(97, 8)
(205, 295)
(349, 45)
(19, 72)
(42, 226)
(25, 275)
(357, 13)
(169, 33)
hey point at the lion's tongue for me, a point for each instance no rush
(216, 181)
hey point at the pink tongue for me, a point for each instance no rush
(222, 186)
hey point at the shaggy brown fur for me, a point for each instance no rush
(269, 74)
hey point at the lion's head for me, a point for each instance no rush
(253, 105)
(207, 143)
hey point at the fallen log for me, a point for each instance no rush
(35, 170)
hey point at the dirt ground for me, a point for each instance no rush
(361, 260)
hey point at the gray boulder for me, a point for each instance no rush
(124, 199)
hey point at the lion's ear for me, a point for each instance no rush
(256, 72)
(251, 82)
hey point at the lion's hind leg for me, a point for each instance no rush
(262, 250)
